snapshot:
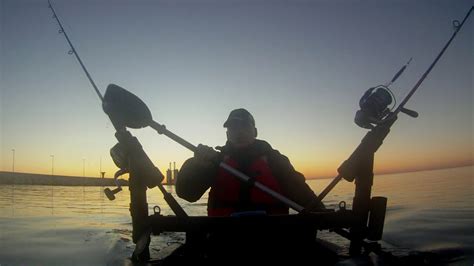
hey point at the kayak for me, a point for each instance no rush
(249, 238)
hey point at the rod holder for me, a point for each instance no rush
(378, 207)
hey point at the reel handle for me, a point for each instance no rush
(409, 112)
(110, 193)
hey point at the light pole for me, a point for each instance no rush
(52, 164)
(13, 183)
(13, 161)
(83, 167)
(52, 181)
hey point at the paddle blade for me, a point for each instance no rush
(125, 108)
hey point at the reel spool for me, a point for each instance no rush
(375, 101)
(374, 106)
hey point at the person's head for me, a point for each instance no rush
(241, 130)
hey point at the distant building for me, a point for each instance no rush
(175, 173)
(171, 175)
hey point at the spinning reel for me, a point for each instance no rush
(374, 104)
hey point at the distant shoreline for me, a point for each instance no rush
(384, 173)
(7, 178)
(10, 178)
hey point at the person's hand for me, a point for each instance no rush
(205, 153)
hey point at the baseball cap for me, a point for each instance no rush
(241, 116)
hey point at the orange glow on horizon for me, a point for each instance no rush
(329, 170)
(311, 166)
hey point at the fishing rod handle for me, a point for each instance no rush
(370, 143)
(329, 187)
(174, 205)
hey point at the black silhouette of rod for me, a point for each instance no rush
(329, 187)
(162, 130)
(413, 90)
(73, 50)
(401, 108)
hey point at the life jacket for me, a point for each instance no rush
(229, 194)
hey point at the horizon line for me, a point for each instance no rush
(307, 178)
(390, 172)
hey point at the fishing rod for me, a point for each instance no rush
(120, 119)
(457, 27)
(374, 102)
(74, 51)
(110, 193)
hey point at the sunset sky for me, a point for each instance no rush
(300, 67)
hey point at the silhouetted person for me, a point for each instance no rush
(228, 195)
(253, 157)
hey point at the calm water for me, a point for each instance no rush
(431, 211)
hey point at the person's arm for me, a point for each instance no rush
(197, 174)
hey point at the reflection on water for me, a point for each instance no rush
(27, 200)
(431, 211)
(427, 211)
(57, 225)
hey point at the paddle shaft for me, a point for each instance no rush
(161, 129)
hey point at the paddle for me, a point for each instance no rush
(125, 108)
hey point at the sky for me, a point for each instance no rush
(300, 67)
